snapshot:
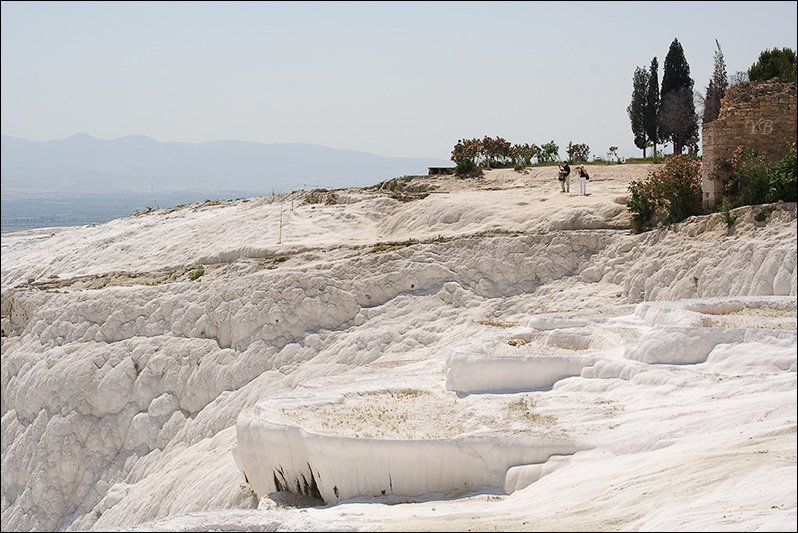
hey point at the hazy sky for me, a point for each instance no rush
(397, 79)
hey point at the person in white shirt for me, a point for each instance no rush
(583, 177)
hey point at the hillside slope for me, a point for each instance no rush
(123, 380)
(83, 165)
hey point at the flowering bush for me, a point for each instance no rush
(641, 205)
(497, 152)
(468, 154)
(466, 150)
(670, 194)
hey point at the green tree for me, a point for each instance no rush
(525, 152)
(652, 106)
(535, 149)
(578, 153)
(678, 121)
(775, 63)
(549, 152)
(637, 108)
(716, 89)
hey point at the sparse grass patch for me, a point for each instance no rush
(644, 160)
(385, 246)
(196, 273)
(143, 211)
(525, 407)
(757, 318)
(407, 393)
(277, 260)
(496, 323)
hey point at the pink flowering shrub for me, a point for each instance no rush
(670, 193)
(471, 154)
(465, 154)
(497, 152)
(641, 205)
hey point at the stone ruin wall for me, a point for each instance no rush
(756, 115)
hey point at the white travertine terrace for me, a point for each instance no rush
(651, 384)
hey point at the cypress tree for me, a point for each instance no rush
(678, 121)
(637, 109)
(652, 105)
(716, 89)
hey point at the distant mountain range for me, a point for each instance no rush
(137, 164)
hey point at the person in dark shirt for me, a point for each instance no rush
(565, 176)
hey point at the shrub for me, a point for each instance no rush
(678, 187)
(465, 167)
(641, 206)
(725, 210)
(497, 152)
(748, 178)
(763, 214)
(670, 194)
(785, 177)
(724, 174)
(760, 190)
(466, 150)
(489, 152)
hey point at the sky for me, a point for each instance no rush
(404, 79)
